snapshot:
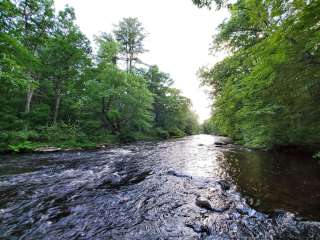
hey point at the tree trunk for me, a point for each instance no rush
(29, 98)
(57, 106)
(103, 113)
(106, 121)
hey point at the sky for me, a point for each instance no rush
(178, 40)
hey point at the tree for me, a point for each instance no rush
(158, 84)
(173, 114)
(124, 99)
(129, 33)
(78, 99)
(208, 3)
(64, 56)
(108, 49)
(266, 90)
(34, 18)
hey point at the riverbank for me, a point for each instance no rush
(309, 149)
(38, 147)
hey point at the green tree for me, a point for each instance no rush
(124, 99)
(266, 91)
(130, 34)
(64, 57)
(173, 114)
(79, 99)
(34, 20)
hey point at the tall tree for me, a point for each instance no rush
(124, 100)
(35, 19)
(130, 34)
(65, 56)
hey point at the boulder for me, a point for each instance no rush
(223, 141)
(203, 203)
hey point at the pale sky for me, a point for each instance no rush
(179, 36)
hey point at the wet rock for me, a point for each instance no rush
(309, 229)
(226, 140)
(47, 149)
(72, 149)
(243, 210)
(225, 186)
(221, 141)
(112, 179)
(203, 203)
(197, 227)
(115, 178)
(178, 174)
(208, 205)
(101, 146)
(280, 215)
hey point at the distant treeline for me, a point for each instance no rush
(267, 91)
(54, 90)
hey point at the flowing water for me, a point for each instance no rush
(179, 189)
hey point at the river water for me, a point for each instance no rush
(188, 188)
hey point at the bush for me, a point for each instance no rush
(317, 156)
(25, 146)
(176, 132)
(161, 133)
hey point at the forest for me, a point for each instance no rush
(56, 89)
(266, 92)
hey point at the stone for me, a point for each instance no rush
(115, 178)
(203, 203)
(178, 174)
(225, 186)
(47, 149)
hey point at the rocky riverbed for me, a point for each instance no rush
(179, 189)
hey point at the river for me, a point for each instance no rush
(188, 188)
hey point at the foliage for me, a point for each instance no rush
(130, 35)
(267, 91)
(55, 92)
(172, 111)
(208, 3)
(317, 156)
(208, 127)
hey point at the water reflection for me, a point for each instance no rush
(203, 157)
(268, 180)
(272, 181)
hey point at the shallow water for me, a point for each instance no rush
(149, 191)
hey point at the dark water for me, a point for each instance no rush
(149, 191)
(272, 181)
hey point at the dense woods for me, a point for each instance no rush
(267, 91)
(55, 90)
